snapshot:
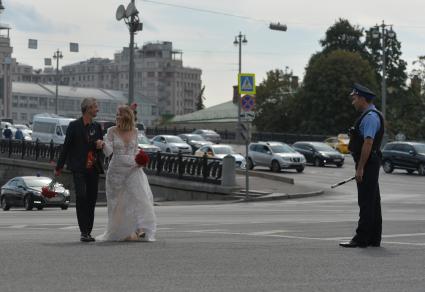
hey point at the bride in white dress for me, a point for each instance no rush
(131, 213)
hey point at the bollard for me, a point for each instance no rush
(229, 171)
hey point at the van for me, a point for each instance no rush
(49, 127)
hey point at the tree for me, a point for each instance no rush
(344, 36)
(200, 99)
(395, 66)
(272, 101)
(323, 105)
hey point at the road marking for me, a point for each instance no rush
(74, 227)
(403, 235)
(208, 231)
(267, 232)
(17, 226)
(302, 237)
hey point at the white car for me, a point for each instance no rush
(171, 144)
(145, 144)
(219, 151)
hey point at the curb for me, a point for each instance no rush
(267, 176)
(280, 196)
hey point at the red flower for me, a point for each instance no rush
(48, 193)
(142, 158)
(133, 106)
(49, 190)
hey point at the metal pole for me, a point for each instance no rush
(57, 54)
(240, 71)
(384, 83)
(246, 160)
(131, 73)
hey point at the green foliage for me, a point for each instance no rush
(322, 105)
(200, 99)
(343, 36)
(273, 97)
(323, 102)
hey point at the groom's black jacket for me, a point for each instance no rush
(79, 141)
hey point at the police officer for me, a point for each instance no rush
(365, 143)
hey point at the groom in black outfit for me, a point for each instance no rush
(82, 151)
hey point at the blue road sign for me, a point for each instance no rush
(246, 83)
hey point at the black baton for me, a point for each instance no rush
(342, 182)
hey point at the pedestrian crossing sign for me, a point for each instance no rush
(246, 83)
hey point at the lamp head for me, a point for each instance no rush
(120, 14)
(131, 10)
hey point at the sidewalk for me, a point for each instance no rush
(268, 187)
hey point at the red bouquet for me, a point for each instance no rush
(142, 158)
(49, 190)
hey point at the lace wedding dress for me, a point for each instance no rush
(129, 197)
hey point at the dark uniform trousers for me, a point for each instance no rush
(86, 184)
(369, 229)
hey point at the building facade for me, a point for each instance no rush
(29, 99)
(159, 75)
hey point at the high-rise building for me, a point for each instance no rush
(159, 76)
(6, 66)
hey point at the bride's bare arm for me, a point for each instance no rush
(107, 147)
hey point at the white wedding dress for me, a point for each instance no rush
(129, 196)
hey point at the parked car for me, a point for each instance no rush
(275, 155)
(145, 144)
(409, 156)
(219, 151)
(319, 153)
(25, 191)
(195, 141)
(171, 144)
(208, 135)
(339, 143)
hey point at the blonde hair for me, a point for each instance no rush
(126, 122)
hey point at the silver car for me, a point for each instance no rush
(275, 155)
(171, 144)
(145, 144)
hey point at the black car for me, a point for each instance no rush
(208, 135)
(25, 192)
(319, 153)
(195, 141)
(409, 156)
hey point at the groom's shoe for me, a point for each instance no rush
(85, 237)
(91, 238)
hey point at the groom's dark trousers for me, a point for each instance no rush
(86, 184)
(79, 141)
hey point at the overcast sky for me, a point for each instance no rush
(206, 38)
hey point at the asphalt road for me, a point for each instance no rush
(287, 245)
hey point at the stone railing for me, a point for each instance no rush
(179, 166)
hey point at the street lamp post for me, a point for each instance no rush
(57, 55)
(131, 18)
(239, 40)
(383, 35)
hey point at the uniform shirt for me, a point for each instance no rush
(370, 124)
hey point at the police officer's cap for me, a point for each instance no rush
(363, 91)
